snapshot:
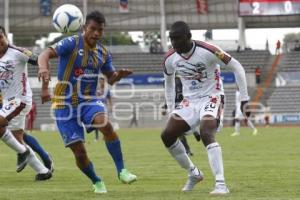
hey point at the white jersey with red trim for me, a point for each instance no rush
(14, 83)
(199, 72)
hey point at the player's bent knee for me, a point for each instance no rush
(108, 130)
(208, 123)
(100, 120)
(167, 139)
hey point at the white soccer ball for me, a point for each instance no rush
(67, 19)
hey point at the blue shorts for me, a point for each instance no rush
(70, 120)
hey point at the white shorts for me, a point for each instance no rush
(192, 111)
(15, 112)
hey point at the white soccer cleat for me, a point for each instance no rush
(192, 181)
(220, 189)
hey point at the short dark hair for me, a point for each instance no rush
(2, 29)
(182, 27)
(95, 16)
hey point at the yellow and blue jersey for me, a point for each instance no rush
(78, 70)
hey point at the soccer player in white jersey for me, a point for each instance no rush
(17, 99)
(239, 117)
(198, 66)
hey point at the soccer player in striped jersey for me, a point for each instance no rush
(17, 99)
(82, 58)
(198, 66)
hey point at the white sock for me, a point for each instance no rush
(35, 163)
(177, 150)
(214, 153)
(237, 126)
(250, 124)
(9, 139)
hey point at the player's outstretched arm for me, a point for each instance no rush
(115, 76)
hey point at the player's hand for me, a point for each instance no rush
(44, 75)
(245, 109)
(45, 96)
(118, 75)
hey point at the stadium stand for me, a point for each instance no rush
(290, 62)
(145, 62)
(152, 63)
(288, 105)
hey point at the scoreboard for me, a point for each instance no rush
(268, 7)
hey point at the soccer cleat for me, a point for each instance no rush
(235, 134)
(220, 189)
(192, 181)
(126, 177)
(49, 164)
(22, 159)
(99, 187)
(43, 177)
(254, 132)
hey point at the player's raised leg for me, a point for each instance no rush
(174, 129)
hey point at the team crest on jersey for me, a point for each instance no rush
(191, 71)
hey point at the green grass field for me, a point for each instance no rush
(264, 167)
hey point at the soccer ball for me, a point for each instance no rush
(67, 19)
